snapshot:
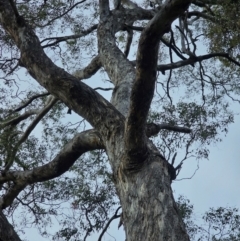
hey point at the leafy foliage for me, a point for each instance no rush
(218, 224)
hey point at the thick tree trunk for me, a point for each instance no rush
(149, 209)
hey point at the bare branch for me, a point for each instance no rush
(202, 3)
(201, 15)
(115, 216)
(59, 16)
(173, 159)
(185, 178)
(104, 89)
(192, 60)
(65, 38)
(128, 42)
(30, 101)
(15, 121)
(174, 48)
(184, 40)
(41, 114)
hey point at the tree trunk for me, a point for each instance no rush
(148, 206)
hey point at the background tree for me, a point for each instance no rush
(218, 224)
(53, 167)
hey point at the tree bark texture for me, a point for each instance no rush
(140, 173)
(6, 230)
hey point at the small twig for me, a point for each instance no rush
(52, 20)
(70, 37)
(185, 178)
(30, 101)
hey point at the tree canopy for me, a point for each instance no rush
(102, 102)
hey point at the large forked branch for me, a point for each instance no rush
(81, 143)
(76, 95)
(118, 67)
(146, 69)
(115, 63)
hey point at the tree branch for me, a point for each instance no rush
(192, 60)
(153, 129)
(174, 48)
(25, 135)
(115, 216)
(146, 69)
(201, 15)
(89, 70)
(202, 3)
(81, 143)
(62, 14)
(129, 42)
(30, 101)
(119, 69)
(15, 121)
(65, 38)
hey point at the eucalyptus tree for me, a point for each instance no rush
(47, 160)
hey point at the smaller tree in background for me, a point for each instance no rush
(217, 224)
